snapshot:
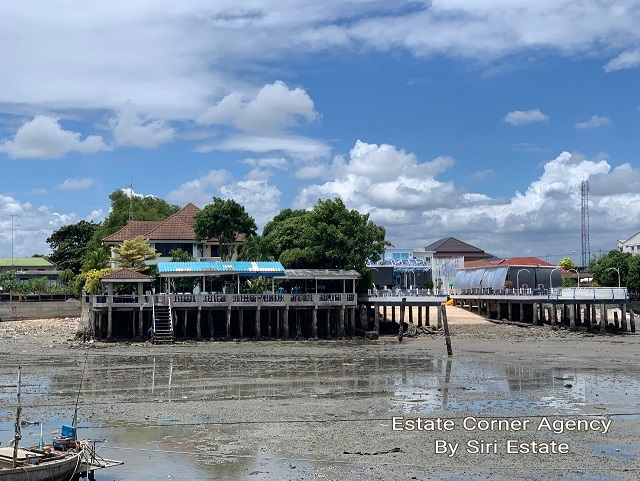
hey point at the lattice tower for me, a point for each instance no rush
(584, 210)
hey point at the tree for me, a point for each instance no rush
(134, 253)
(605, 274)
(256, 248)
(96, 259)
(180, 255)
(144, 208)
(341, 239)
(224, 220)
(566, 264)
(69, 245)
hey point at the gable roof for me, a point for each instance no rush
(522, 261)
(132, 230)
(123, 275)
(451, 246)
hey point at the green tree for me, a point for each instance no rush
(256, 248)
(339, 238)
(567, 264)
(144, 208)
(96, 259)
(605, 270)
(180, 255)
(134, 253)
(224, 220)
(69, 244)
(90, 281)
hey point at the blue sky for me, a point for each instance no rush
(441, 118)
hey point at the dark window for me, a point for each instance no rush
(165, 248)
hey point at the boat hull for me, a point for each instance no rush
(54, 470)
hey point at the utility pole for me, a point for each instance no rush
(13, 216)
(584, 210)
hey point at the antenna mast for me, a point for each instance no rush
(584, 210)
(13, 216)
(131, 199)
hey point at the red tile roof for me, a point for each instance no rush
(522, 261)
(132, 230)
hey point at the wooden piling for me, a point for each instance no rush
(447, 336)
(403, 304)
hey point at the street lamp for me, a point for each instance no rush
(546, 258)
(518, 276)
(550, 273)
(577, 274)
(617, 270)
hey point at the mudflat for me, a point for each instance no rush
(511, 403)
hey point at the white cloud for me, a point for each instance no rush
(295, 146)
(31, 227)
(201, 189)
(44, 138)
(274, 108)
(416, 208)
(130, 128)
(521, 117)
(96, 215)
(627, 59)
(259, 198)
(594, 122)
(75, 184)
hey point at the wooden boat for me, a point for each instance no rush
(39, 466)
(66, 460)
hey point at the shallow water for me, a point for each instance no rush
(181, 434)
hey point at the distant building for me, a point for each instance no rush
(631, 245)
(27, 268)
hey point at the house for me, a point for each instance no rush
(631, 245)
(175, 232)
(28, 268)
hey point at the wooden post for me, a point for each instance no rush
(240, 321)
(376, 319)
(269, 324)
(439, 317)
(228, 324)
(109, 323)
(623, 320)
(198, 324)
(594, 317)
(488, 313)
(427, 321)
(286, 322)
(278, 324)
(535, 313)
(410, 314)
(141, 324)
(210, 324)
(521, 305)
(402, 308)
(603, 318)
(420, 315)
(509, 311)
(257, 336)
(554, 314)
(443, 310)
(352, 319)
(364, 317)
(328, 334)
(572, 317)
(343, 330)
(314, 322)
(184, 324)
(632, 322)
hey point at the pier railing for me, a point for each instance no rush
(204, 299)
(555, 293)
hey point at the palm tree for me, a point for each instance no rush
(256, 248)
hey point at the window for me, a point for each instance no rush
(165, 248)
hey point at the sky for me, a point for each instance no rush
(442, 118)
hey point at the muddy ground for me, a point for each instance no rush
(318, 410)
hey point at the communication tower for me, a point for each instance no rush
(584, 210)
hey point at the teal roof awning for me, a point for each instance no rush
(244, 269)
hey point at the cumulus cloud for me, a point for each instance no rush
(417, 208)
(75, 184)
(44, 138)
(31, 228)
(298, 147)
(260, 199)
(594, 122)
(521, 117)
(483, 174)
(132, 129)
(275, 107)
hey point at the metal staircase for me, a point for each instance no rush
(162, 321)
